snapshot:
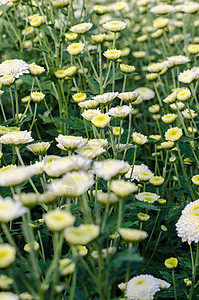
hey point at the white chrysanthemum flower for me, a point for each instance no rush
(136, 170)
(10, 210)
(81, 235)
(188, 223)
(106, 97)
(142, 287)
(88, 104)
(120, 111)
(128, 96)
(123, 188)
(162, 9)
(108, 168)
(70, 142)
(114, 26)
(139, 138)
(8, 296)
(101, 120)
(16, 138)
(169, 118)
(184, 94)
(90, 151)
(14, 67)
(132, 235)
(13, 175)
(105, 198)
(81, 28)
(164, 284)
(39, 148)
(173, 134)
(178, 60)
(189, 114)
(58, 220)
(90, 113)
(98, 142)
(156, 67)
(147, 197)
(145, 93)
(187, 76)
(73, 184)
(112, 54)
(75, 48)
(36, 70)
(66, 266)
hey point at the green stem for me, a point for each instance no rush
(174, 284)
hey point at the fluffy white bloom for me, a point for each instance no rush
(67, 142)
(90, 113)
(8, 296)
(73, 184)
(142, 287)
(162, 9)
(81, 28)
(13, 175)
(106, 97)
(120, 111)
(188, 223)
(16, 138)
(136, 170)
(178, 60)
(14, 67)
(90, 151)
(145, 93)
(187, 76)
(10, 210)
(108, 168)
(147, 197)
(114, 26)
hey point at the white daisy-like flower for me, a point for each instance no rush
(90, 151)
(136, 170)
(120, 111)
(187, 76)
(81, 28)
(147, 197)
(10, 210)
(90, 113)
(67, 142)
(106, 97)
(108, 168)
(8, 296)
(14, 67)
(142, 287)
(16, 138)
(178, 60)
(114, 26)
(128, 96)
(13, 175)
(188, 223)
(145, 93)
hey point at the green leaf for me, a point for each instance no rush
(145, 205)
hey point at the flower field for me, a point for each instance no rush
(99, 150)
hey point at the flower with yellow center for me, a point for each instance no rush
(98, 38)
(178, 105)
(120, 111)
(184, 95)
(37, 97)
(178, 60)
(173, 134)
(114, 26)
(57, 220)
(156, 34)
(82, 234)
(7, 80)
(70, 142)
(75, 48)
(187, 76)
(39, 148)
(37, 21)
(147, 197)
(81, 28)
(35, 70)
(88, 104)
(7, 255)
(90, 151)
(155, 137)
(60, 3)
(139, 138)
(105, 198)
(112, 54)
(128, 96)
(154, 109)
(143, 38)
(123, 188)
(132, 235)
(193, 48)
(171, 98)
(127, 69)
(106, 97)
(162, 9)
(79, 97)
(90, 113)
(98, 142)
(117, 130)
(100, 9)
(157, 180)
(156, 68)
(160, 22)
(169, 118)
(189, 114)
(167, 145)
(145, 93)
(16, 138)
(66, 266)
(70, 36)
(101, 120)
(109, 168)
(5, 282)
(143, 217)
(145, 176)
(152, 76)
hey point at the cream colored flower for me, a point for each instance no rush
(81, 28)
(160, 22)
(127, 69)
(145, 93)
(132, 235)
(98, 142)
(187, 76)
(128, 96)
(88, 104)
(39, 148)
(171, 98)
(184, 94)
(7, 80)
(156, 180)
(10, 210)
(67, 142)
(30, 245)
(123, 188)
(5, 282)
(75, 48)
(37, 21)
(66, 266)
(145, 176)
(98, 38)
(16, 138)
(112, 54)
(120, 111)
(101, 120)
(106, 97)
(147, 197)
(105, 198)
(108, 168)
(70, 36)
(27, 199)
(60, 3)
(90, 151)
(117, 130)
(79, 97)
(178, 105)
(139, 138)
(114, 26)
(189, 114)
(37, 96)
(173, 134)
(104, 252)
(58, 220)
(35, 69)
(139, 54)
(90, 113)
(169, 118)
(14, 67)
(7, 256)
(81, 235)
(154, 109)
(178, 60)
(12, 175)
